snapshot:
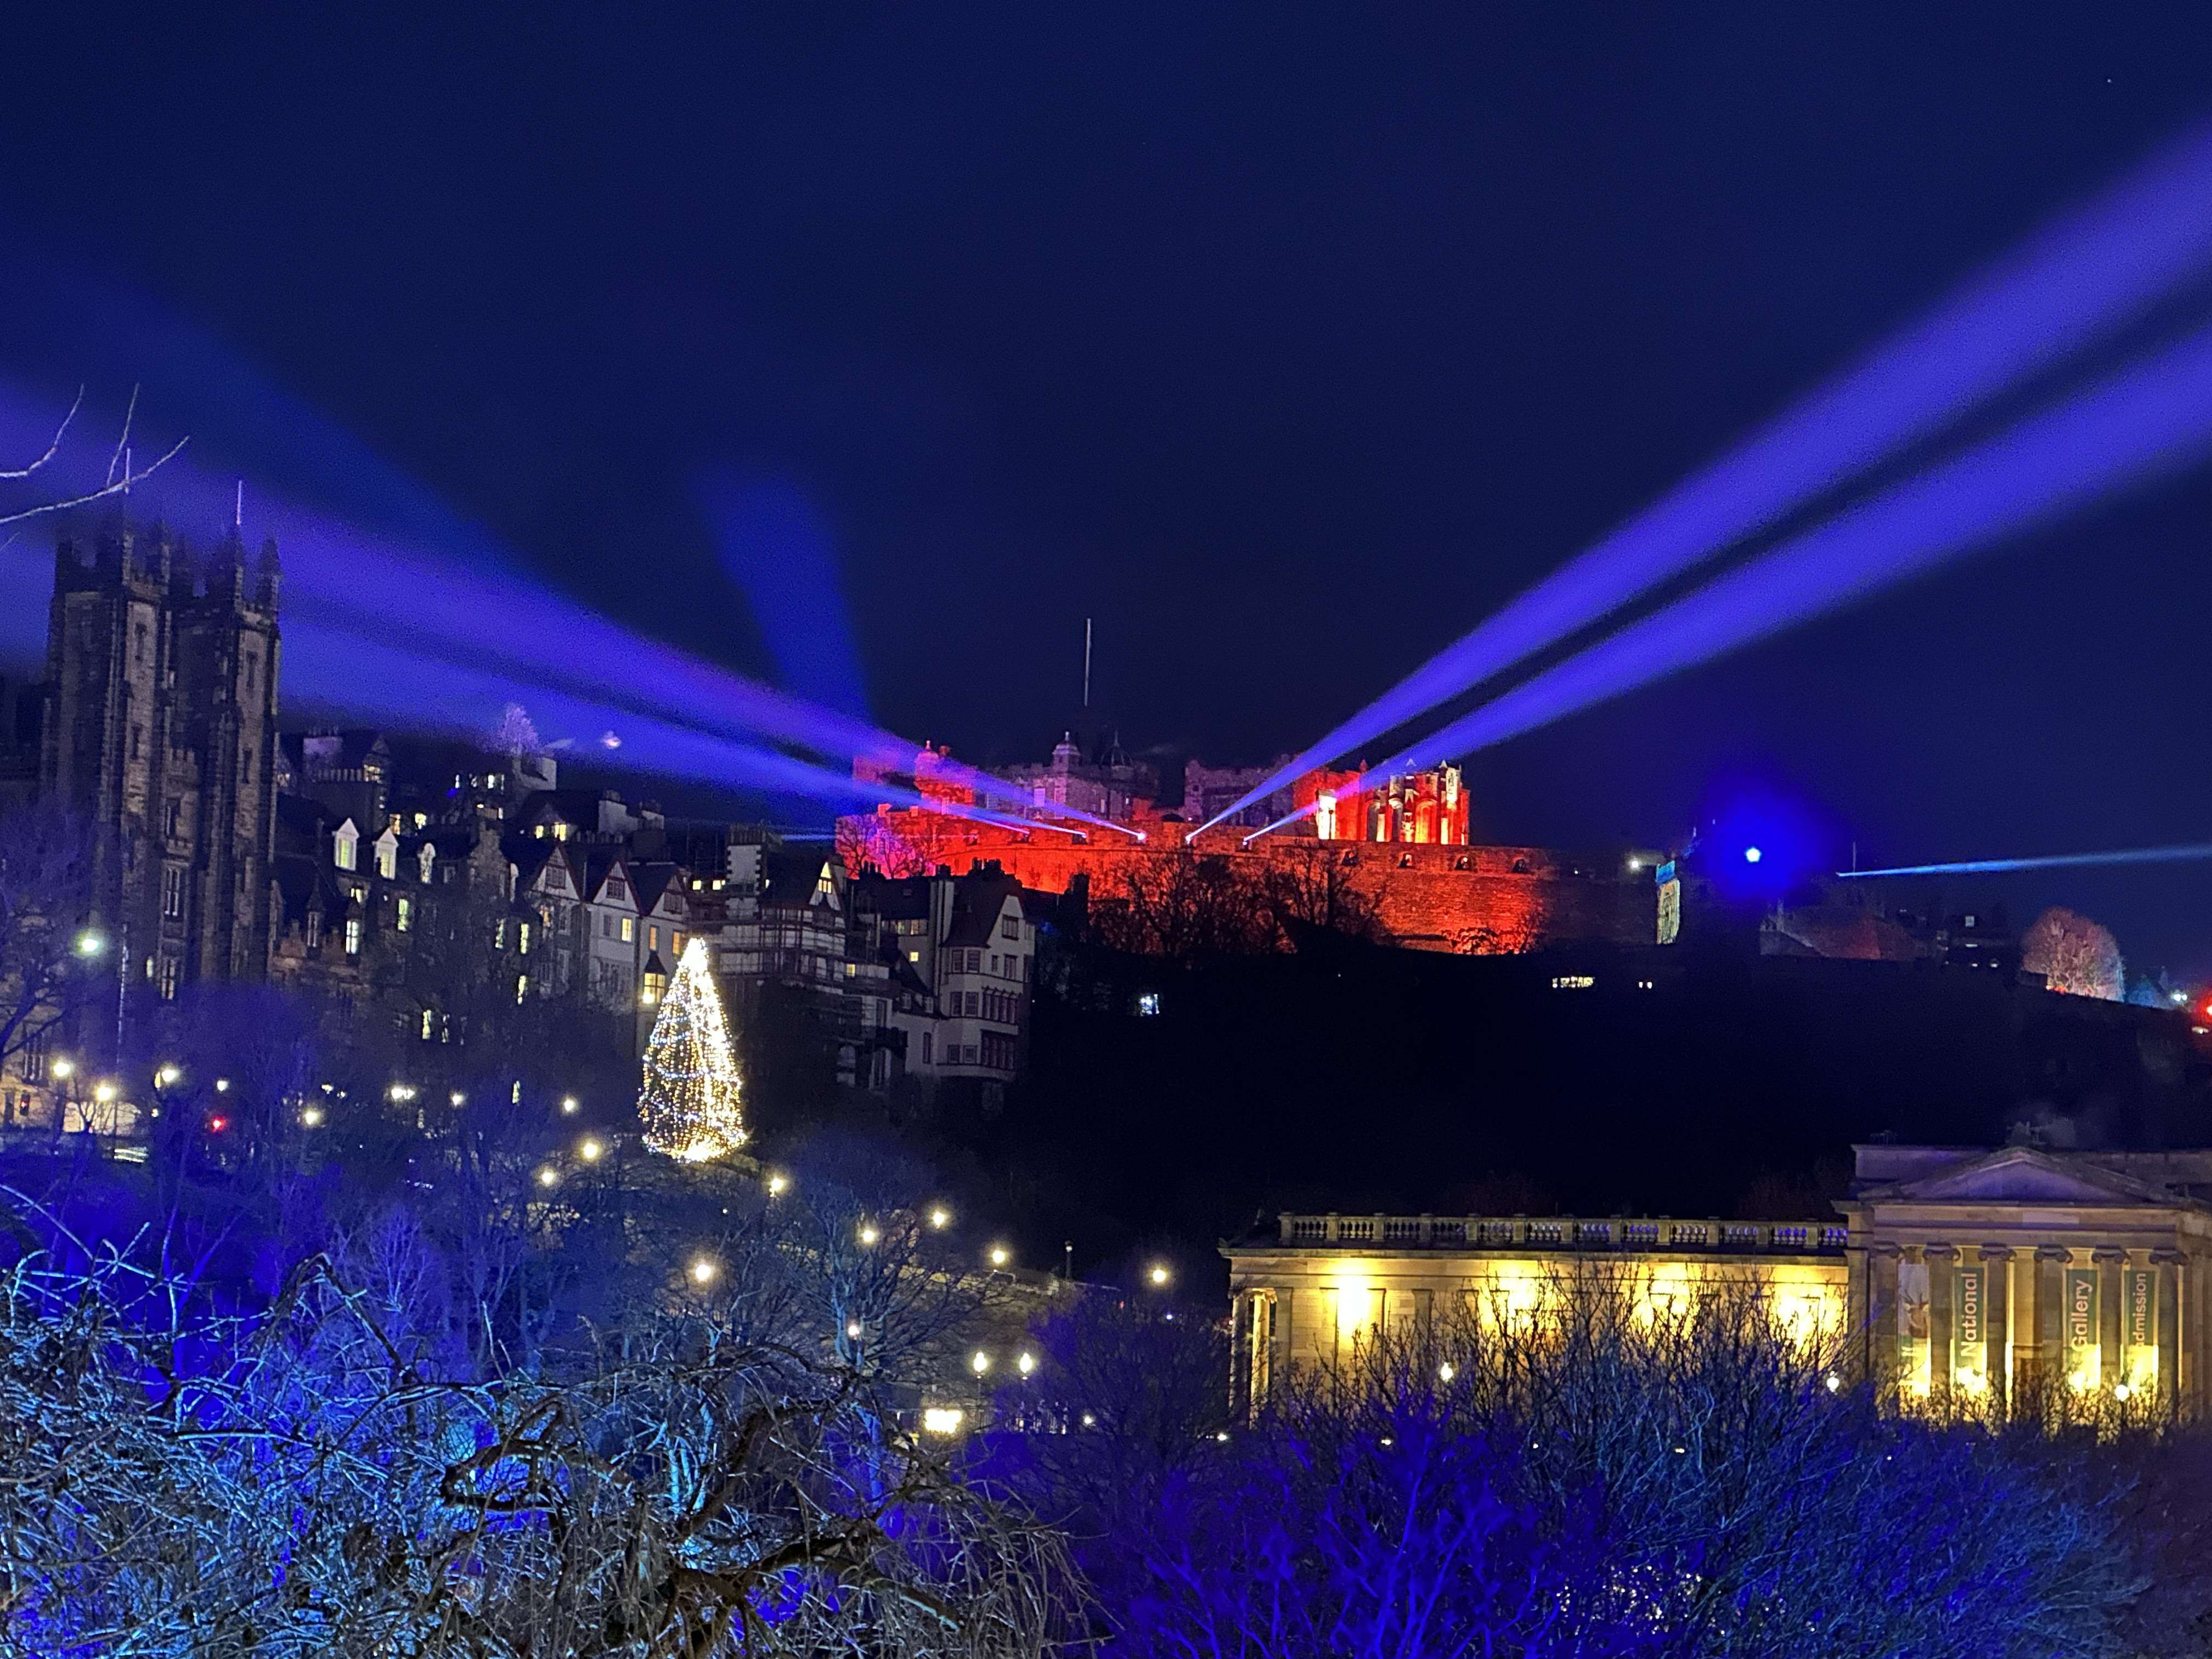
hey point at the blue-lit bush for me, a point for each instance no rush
(692, 1470)
(1602, 1484)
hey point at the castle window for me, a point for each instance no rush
(427, 859)
(522, 990)
(1011, 927)
(138, 644)
(314, 929)
(387, 856)
(653, 938)
(345, 846)
(135, 733)
(928, 1043)
(630, 930)
(429, 1019)
(522, 937)
(676, 943)
(499, 934)
(406, 919)
(166, 979)
(353, 936)
(173, 891)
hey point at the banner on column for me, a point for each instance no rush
(2139, 1326)
(1912, 1356)
(2084, 1355)
(1970, 1357)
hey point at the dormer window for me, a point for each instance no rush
(346, 845)
(427, 861)
(387, 856)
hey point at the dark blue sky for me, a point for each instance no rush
(1285, 341)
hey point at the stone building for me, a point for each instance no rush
(161, 729)
(961, 951)
(1955, 1276)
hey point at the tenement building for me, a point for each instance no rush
(1954, 1275)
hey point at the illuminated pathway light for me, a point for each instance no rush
(2153, 417)
(2053, 861)
(2090, 271)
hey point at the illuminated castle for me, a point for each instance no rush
(1398, 848)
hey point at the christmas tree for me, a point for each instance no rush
(689, 1098)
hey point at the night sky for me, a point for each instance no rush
(1287, 341)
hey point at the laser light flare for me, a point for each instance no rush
(383, 681)
(2153, 417)
(2087, 273)
(357, 580)
(2050, 861)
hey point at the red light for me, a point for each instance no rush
(218, 1124)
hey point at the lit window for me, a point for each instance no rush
(406, 919)
(387, 856)
(428, 1018)
(499, 934)
(345, 846)
(522, 937)
(1572, 983)
(522, 990)
(676, 943)
(353, 936)
(630, 930)
(653, 938)
(1148, 1002)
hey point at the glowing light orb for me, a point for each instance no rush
(1751, 855)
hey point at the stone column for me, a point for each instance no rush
(2110, 1259)
(2171, 1376)
(2051, 1261)
(1997, 1306)
(1879, 1339)
(1942, 1260)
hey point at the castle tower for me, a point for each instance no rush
(161, 729)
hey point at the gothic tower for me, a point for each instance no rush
(161, 729)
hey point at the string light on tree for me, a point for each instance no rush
(689, 1102)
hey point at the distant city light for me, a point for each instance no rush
(1089, 1421)
(458, 1098)
(703, 1270)
(940, 1217)
(777, 1184)
(548, 1177)
(1159, 1273)
(868, 1233)
(853, 1330)
(166, 1075)
(589, 1150)
(313, 1117)
(1751, 855)
(568, 1103)
(1000, 1256)
(218, 1124)
(1446, 1371)
(90, 944)
(222, 1085)
(941, 1420)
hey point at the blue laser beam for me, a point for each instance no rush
(2086, 273)
(2185, 854)
(2153, 417)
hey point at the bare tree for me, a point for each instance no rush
(48, 966)
(121, 475)
(2073, 955)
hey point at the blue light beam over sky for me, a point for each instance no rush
(2199, 850)
(2087, 273)
(2152, 418)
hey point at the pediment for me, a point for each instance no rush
(2022, 1175)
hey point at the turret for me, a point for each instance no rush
(268, 577)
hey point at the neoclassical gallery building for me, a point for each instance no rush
(1950, 1269)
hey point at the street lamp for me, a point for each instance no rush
(868, 1233)
(568, 1104)
(940, 1217)
(549, 1176)
(1026, 1363)
(777, 1185)
(312, 1117)
(703, 1270)
(89, 944)
(589, 1151)
(979, 1362)
(1159, 1275)
(1000, 1255)
(166, 1075)
(65, 1067)
(103, 1092)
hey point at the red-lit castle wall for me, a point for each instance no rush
(1433, 895)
